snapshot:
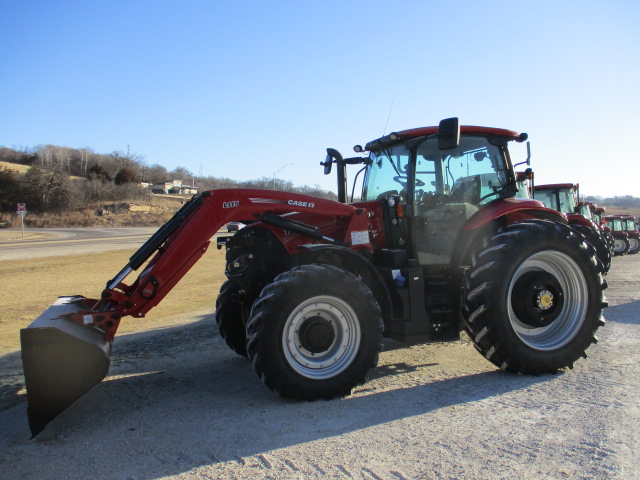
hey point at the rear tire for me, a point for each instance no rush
(599, 243)
(533, 297)
(231, 316)
(314, 333)
(634, 246)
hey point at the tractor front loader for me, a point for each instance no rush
(65, 351)
(439, 242)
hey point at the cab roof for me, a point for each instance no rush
(555, 186)
(401, 135)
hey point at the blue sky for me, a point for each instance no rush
(244, 89)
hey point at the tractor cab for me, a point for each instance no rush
(432, 180)
(524, 182)
(598, 215)
(561, 197)
(585, 209)
(626, 237)
(629, 224)
(615, 223)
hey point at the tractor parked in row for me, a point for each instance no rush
(438, 243)
(625, 234)
(564, 198)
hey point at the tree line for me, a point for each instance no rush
(625, 201)
(64, 179)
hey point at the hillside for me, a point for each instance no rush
(14, 166)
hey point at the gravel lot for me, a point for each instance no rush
(179, 404)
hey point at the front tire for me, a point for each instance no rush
(314, 333)
(533, 297)
(231, 316)
(621, 246)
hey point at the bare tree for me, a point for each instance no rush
(46, 189)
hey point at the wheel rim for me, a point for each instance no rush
(619, 246)
(634, 243)
(565, 298)
(321, 337)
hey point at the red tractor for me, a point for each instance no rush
(438, 243)
(623, 229)
(563, 197)
(629, 225)
(597, 216)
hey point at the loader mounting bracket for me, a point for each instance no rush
(107, 322)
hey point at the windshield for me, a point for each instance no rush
(523, 185)
(561, 200)
(585, 210)
(475, 172)
(387, 174)
(617, 224)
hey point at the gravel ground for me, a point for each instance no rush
(179, 404)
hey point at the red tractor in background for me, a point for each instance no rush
(564, 198)
(626, 237)
(629, 225)
(597, 215)
(438, 243)
(600, 218)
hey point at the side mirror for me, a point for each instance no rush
(528, 160)
(327, 164)
(332, 154)
(449, 133)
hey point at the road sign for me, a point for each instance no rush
(22, 207)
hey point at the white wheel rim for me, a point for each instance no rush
(576, 298)
(337, 357)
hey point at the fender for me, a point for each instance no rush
(356, 263)
(503, 212)
(514, 210)
(576, 218)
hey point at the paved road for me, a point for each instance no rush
(67, 241)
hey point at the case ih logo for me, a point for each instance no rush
(234, 204)
(296, 203)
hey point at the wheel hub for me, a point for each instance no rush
(544, 300)
(316, 334)
(537, 299)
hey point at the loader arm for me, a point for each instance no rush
(182, 241)
(66, 350)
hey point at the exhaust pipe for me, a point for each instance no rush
(61, 360)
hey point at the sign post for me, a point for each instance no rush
(22, 212)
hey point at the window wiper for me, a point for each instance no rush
(386, 153)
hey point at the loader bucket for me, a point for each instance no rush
(61, 360)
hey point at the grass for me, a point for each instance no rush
(15, 166)
(8, 236)
(30, 286)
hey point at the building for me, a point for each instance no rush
(173, 187)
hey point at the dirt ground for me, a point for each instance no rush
(179, 404)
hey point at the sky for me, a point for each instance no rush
(250, 89)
